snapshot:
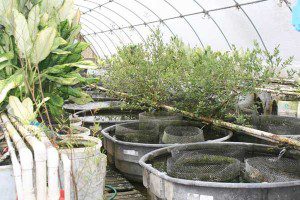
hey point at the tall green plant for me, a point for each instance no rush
(203, 81)
(39, 54)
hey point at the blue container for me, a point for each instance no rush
(296, 16)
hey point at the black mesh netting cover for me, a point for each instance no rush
(232, 164)
(280, 125)
(272, 169)
(209, 164)
(162, 118)
(139, 132)
(182, 134)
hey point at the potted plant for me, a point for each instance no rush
(41, 59)
(39, 56)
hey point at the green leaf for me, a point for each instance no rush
(7, 64)
(81, 101)
(4, 5)
(75, 92)
(40, 105)
(44, 19)
(34, 2)
(77, 48)
(65, 10)
(50, 5)
(55, 100)
(6, 56)
(34, 20)
(69, 79)
(22, 110)
(10, 83)
(58, 41)
(89, 81)
(62, 68)
(18, 108)
(56, 111)
(22, 34)
(61, 52)
(43, 44)
(64, 29)
(28, 104)
(76, 19)
(74, 33)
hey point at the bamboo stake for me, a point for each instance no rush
(246, 130)
(285, 92)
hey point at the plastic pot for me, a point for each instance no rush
(88, 165)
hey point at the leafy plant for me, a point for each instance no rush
(203, 81)
(24, 110)
(39, 56)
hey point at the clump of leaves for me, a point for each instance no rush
(205, 82)
(39, 56)
(149, 72)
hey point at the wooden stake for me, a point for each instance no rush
(246, 130)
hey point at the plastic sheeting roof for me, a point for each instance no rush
(108, 24)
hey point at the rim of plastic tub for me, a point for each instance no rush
(105, 133)
(95, 105)
(98, 143)
(82, 112)
(3, 167)
(163, 175)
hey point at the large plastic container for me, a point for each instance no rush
(280, 125)
(126, 155)
(106, 117)
(162, 186)
(88, 166)
(104, 105)
(7, 183)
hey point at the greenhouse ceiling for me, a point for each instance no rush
(108, 24)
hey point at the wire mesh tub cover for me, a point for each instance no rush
(211, 165)
(182, 134)
(139, 132)
(162, 118)
(272, 169)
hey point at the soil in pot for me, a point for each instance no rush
(72, 131)
(75, 142)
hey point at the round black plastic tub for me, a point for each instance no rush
(288, 126)
(162, 186)
(126, 155)
(99, 105)
(279, 125)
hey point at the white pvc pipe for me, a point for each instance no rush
(40, 157)
(26, 159)
(67, 175)
(52, 163)
(15, 164)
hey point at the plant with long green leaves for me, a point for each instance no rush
(39, 54)
(206, 82)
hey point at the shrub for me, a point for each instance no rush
(202, 81)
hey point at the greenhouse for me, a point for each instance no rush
(150, 100)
